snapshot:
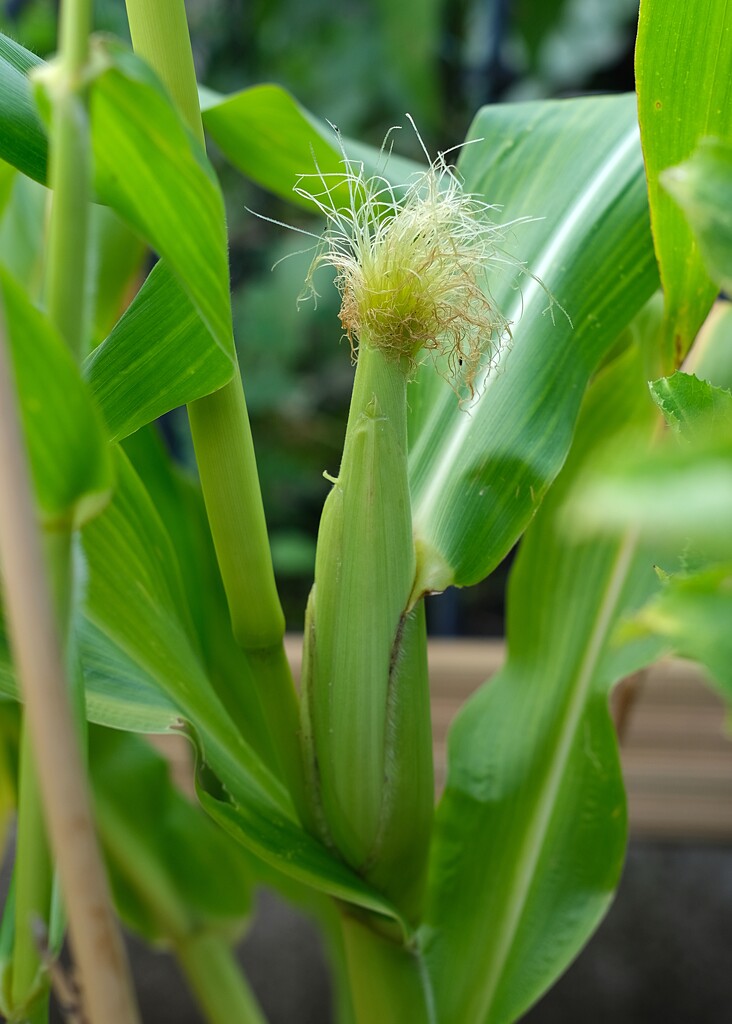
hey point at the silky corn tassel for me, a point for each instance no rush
(411, 268)
(410, 275)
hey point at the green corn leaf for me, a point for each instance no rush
(22, 234)
(64, 433)
(680, 496)
(702, 186)
(138, 636)
(24, 143)
(158, 356)
(175, 343)
(532, 826)
(9, 760)
(268, 136)
(692, 615)
(179, 502)
(120, 254)
(8, 175)
(168, 191)
(125, 683)
(22, 226)
(681, 500)
(677, 496)
(683, 60)
(136, 599)
(693, 407)
(198, 903)
(144, 823)
(120, 693)
(479, 473)
(179, 322)
(265, 133)
(295, 853)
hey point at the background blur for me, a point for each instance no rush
(361, 64)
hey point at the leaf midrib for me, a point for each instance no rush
(535, 836)
(443, 465)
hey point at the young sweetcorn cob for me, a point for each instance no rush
(411, 273)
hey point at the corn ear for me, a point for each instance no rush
(398, 857)
(366, 727)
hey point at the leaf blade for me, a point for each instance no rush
(683, 56)
(64, 433)
(702, 186)
(168, 191)
(533, 759)
(519, 430)
(135, 379)
(24, 142)
(144, 822)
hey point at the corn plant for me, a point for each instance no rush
(504, 320)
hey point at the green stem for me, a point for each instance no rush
(70, 180)
(225, 454)
(159, 31)
(387, 980)
(271, 669)
(33, 877)
(57, 545)
(217, 980)
(33, 868)
(223, 444)
(74, 28)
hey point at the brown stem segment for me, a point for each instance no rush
(95, 938)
